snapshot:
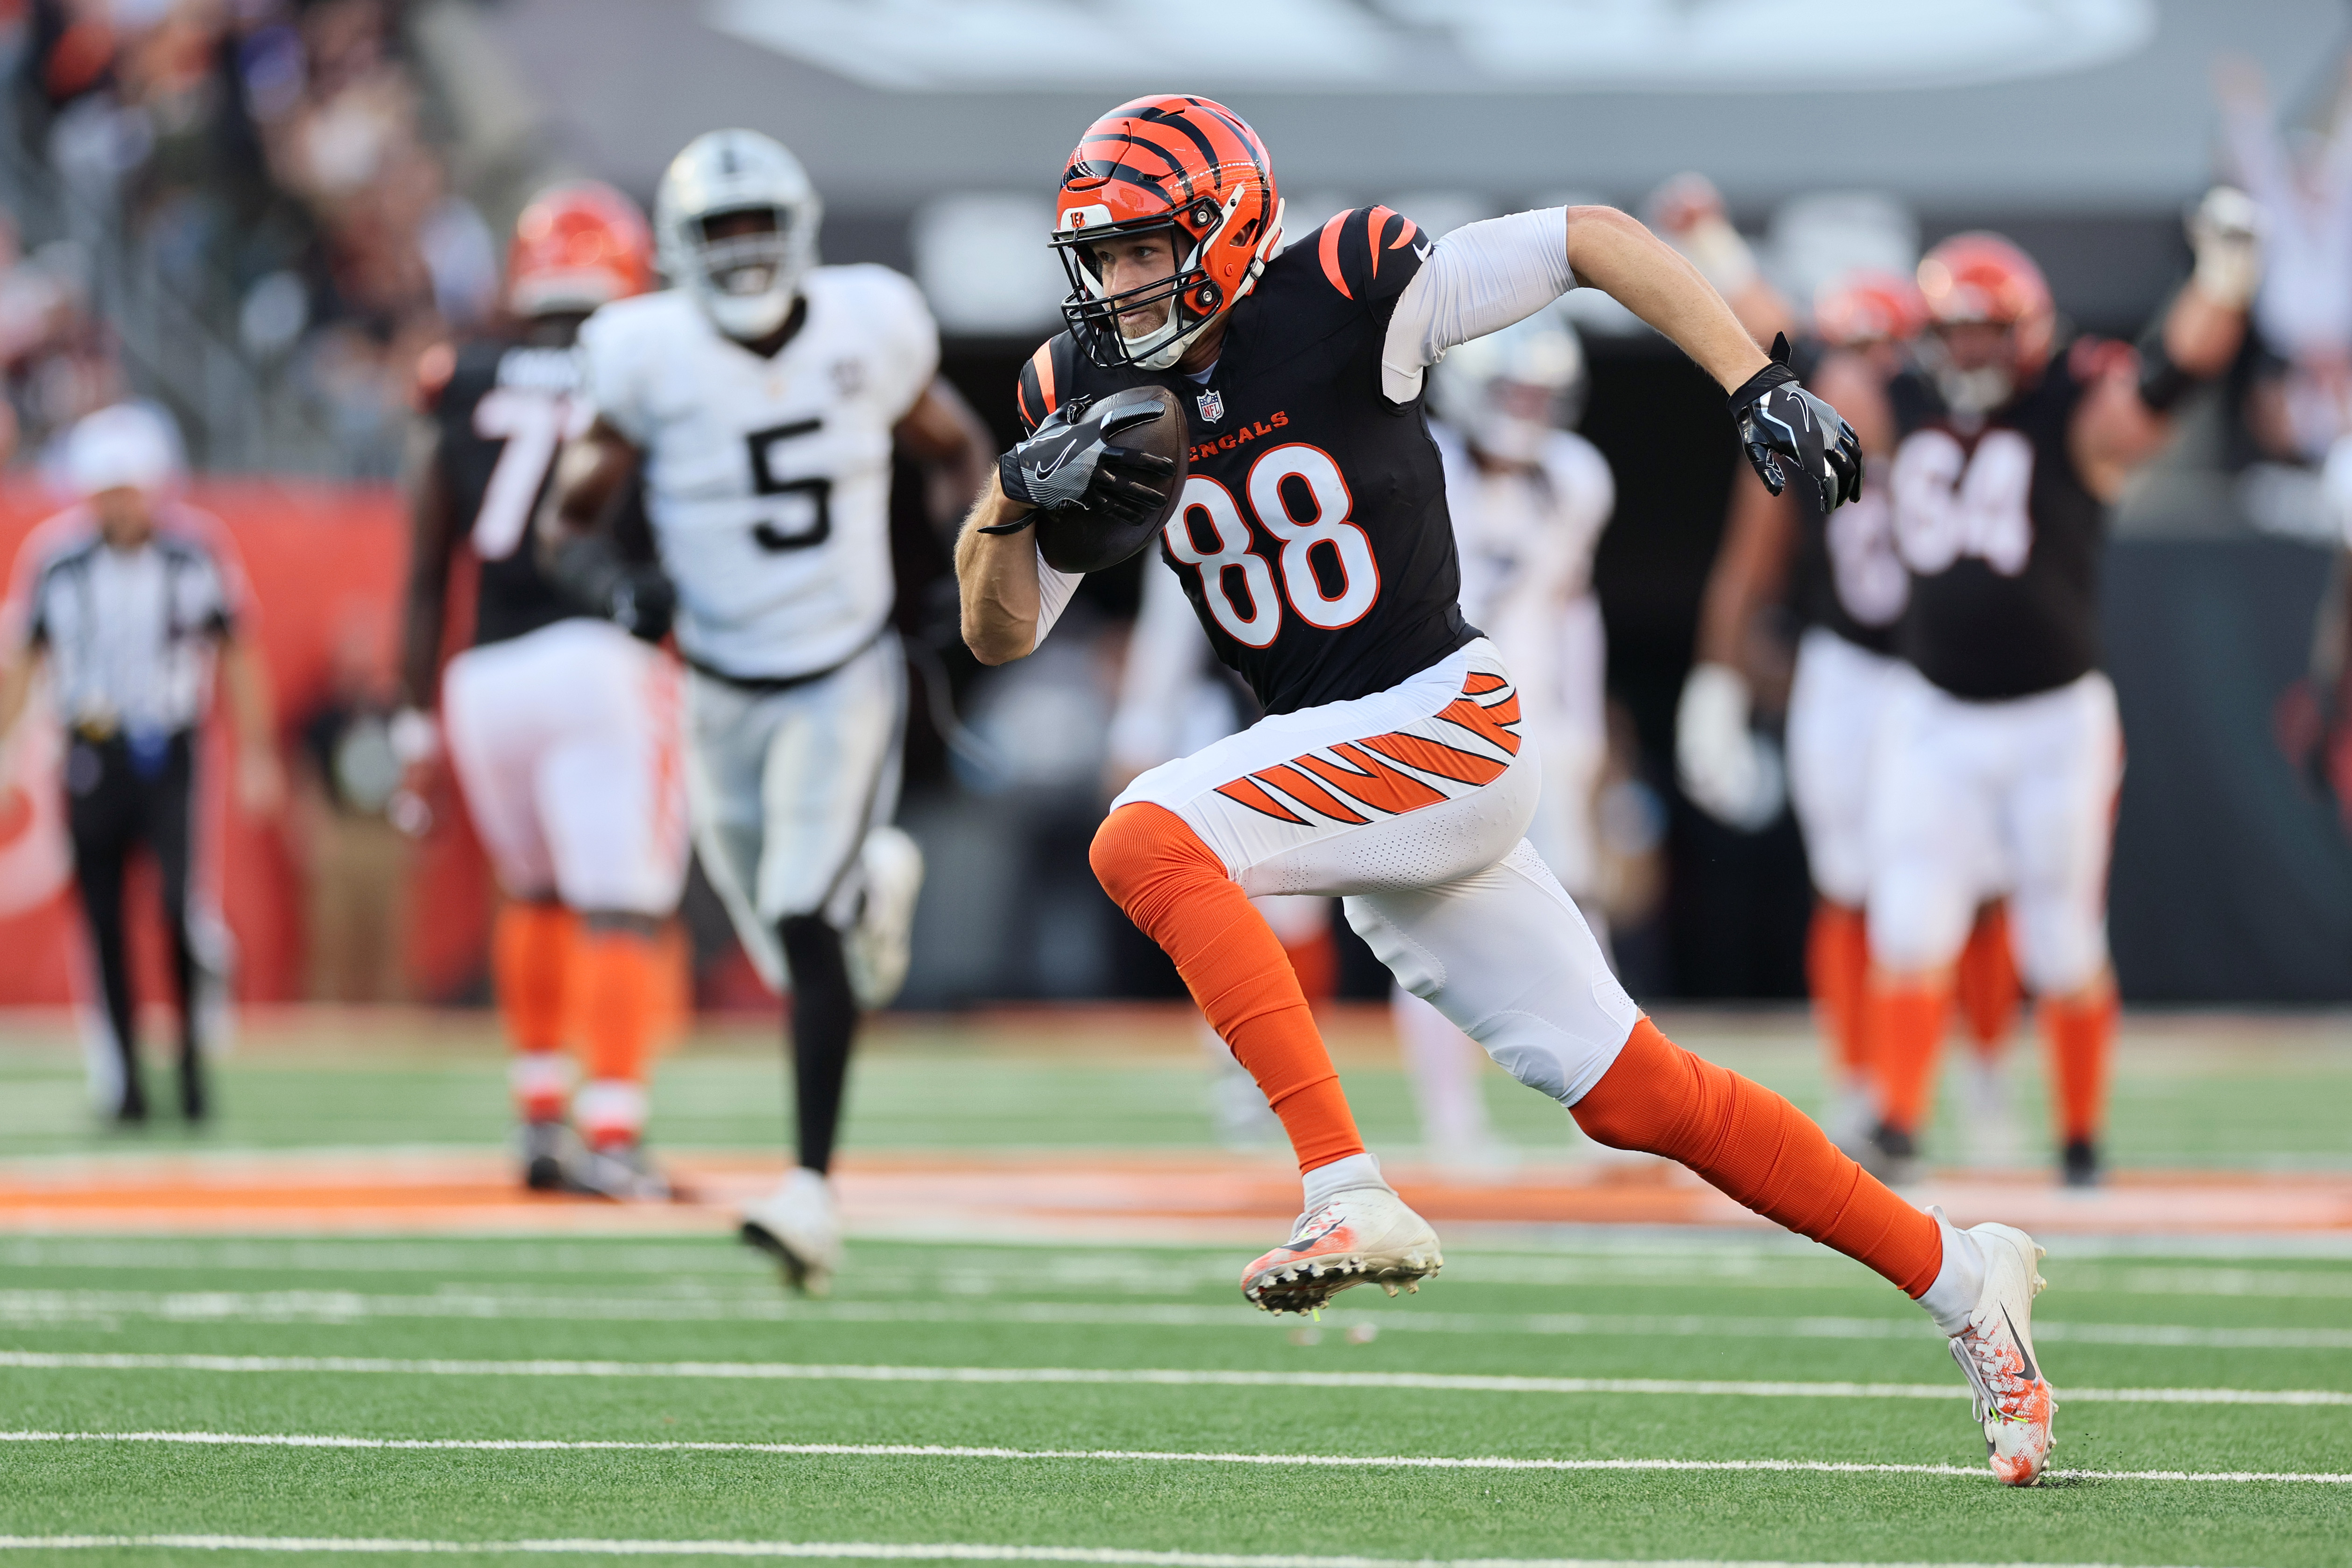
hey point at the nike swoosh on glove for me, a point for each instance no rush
(1070, 460)
(1785, 427)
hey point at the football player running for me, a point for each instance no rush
(1314, 542)
(1528, 499)
(1999, 746)
(763, 395)
(562, 728)
(1848, 588)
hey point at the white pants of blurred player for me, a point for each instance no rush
(1969, 800)
(1412, 804)
(1565, 721)
(565, 744)
(784, 788)
(1835, 703)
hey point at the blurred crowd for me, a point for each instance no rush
(273, 164)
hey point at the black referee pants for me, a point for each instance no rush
(120, 797)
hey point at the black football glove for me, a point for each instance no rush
(1784, 427)
(1070, 460)
(633, 595)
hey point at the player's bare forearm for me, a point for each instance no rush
(944, 433)
(432, 539)
(2202, 334)
(996, 580)
(1612, 251)
(2115, 429)
(1751, 567)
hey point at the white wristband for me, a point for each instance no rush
(414, 736)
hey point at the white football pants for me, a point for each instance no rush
(783, 787)
(1834, 705)
(565, 742)
(1972, 800)
(1412, 804)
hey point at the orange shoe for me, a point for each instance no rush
(1356, 1235)
(2014, 1401)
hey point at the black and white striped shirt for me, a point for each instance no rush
(130, 636)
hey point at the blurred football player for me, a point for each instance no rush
(1314, 542)
(1529, 499)
(1849, 589)
(1998, 750)
(561, 728)
(764, 395)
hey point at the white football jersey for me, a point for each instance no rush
(768, 481)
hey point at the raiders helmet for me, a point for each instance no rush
(745, 282)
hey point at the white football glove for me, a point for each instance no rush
(2226, 232)
(1733, 773)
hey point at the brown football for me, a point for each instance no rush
(1078, 539)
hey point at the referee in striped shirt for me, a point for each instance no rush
(128, 606)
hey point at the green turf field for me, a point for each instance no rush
(539, 1389)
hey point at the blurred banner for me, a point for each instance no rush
(326, 563)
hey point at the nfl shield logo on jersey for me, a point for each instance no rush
(1212, 407)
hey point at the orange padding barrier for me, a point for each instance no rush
(327, 566)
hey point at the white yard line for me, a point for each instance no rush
(892, 1551)
(1138, 1455)
(46, 1308)
(797, 1371)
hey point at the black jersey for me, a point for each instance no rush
(2002, 540)
(1313, 539)
(1848, 575)
(503, 413)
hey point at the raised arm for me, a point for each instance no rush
(432, 542)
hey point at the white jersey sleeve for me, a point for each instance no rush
(1166, 656)
(1478, 280)
(908, 340)
(616, 352)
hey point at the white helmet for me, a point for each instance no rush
(746, 283)
(1508, 391)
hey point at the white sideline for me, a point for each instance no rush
(32, 1308)
(1136, 1455)
(892, 1551)
(795, 1371)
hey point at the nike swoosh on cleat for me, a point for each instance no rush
(1296, 1245)
(2033, 1374)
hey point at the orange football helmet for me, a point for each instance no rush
(1982, 277)
(1185, 166)
(577, 246)
(1868, 305)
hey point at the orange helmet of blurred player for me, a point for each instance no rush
(578, 245)
(1983, 281)
(1185, 167)
(1866, 306)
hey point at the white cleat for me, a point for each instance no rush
(2014, 1401)
(880, 947)
(798, 1226)
(1359, 1234)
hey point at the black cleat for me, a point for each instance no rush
(2079, 1165)
(547, 1148)
(131, 1111)
(1892, 1155)
(192, 1105)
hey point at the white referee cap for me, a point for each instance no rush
(130, 444)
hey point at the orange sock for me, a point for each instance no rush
(1907, 1026)
(1837, 971)
(531, 956)
(1176, 891)
(1758, 1148)
(1987, 983)
(2081, 1036)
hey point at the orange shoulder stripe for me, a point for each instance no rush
(1043, 361)
(1327, 247)
(1379, 220)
